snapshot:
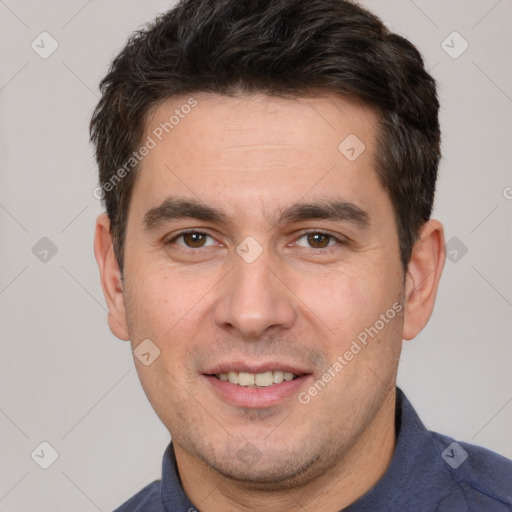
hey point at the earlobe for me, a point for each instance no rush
(110, 276)
(422, 279)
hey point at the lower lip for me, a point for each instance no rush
(256, 398)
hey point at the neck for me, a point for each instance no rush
(356, 473)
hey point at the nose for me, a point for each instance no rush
(254, 297)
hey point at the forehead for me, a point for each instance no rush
(258, 151)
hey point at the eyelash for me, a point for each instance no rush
(190, 231)
(339, 240)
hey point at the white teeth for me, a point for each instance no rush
(256, 379)
(245, 379)
(264, 379)
(278, 377)
(233, 377)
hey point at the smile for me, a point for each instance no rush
(260, 380)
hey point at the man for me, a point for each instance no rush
(268, 171)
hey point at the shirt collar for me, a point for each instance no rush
(411, 448)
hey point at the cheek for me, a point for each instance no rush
(345, 301)
(165, 296)
(166, 309)
(169, 308)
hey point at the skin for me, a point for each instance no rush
(253, 156)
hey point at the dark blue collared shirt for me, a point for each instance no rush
(429, 472)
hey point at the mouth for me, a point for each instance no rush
(256, 380)
(256, 387)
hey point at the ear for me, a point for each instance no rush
(422, 279)
(110, 278)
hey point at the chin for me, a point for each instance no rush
(256, 469)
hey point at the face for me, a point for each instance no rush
(255, 246)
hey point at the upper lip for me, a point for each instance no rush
(260, 367)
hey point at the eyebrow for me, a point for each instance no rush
(328, 210)
(176, 208)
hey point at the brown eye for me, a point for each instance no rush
(193, 240)
(318, 240)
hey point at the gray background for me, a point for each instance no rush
(67, 380)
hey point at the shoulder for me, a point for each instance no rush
(147, 499)
(482, 477)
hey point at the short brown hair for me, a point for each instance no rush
(283, 48)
